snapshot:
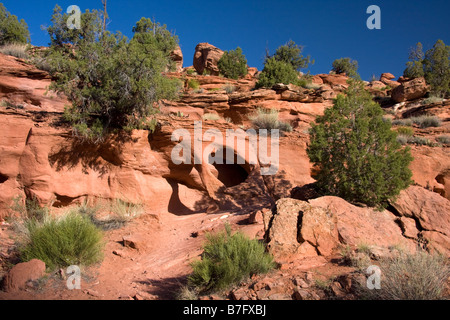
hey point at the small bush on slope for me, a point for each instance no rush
(229, 259)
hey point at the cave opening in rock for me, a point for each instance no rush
(231, 174)
(3, 178)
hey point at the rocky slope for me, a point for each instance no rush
(41, 159)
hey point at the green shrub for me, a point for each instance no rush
(283, 66)
(228, 259)
(275, 72)
(191, 72)
(193, 84)
(414, 67)
(60, 242)
(15, 50)
(291, 53)
(111, 81)
(434, 65)
(355, 153)
(268, 119)
(12, 31)
(418, 276)
(233, 64)
(406, 131)
(347, 66)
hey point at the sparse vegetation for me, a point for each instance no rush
(402, 122)
(405, 131)
(233, 64)
(406, 276)
(228, 259)
(268, 119)
(426, 121)
(444, 139)
(431, 100)
(193, 84)
(355, 152)
(229, 88)
(15, 50)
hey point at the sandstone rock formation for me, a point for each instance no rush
(297, 229)
(431, 214)
(206, 57)
(177, 56)
(386, 78)
(410, 90)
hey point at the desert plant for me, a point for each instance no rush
(291, 53)
(193, 84)
(15, 50)
(228, 259)
(421, 141)
(431, 100)
(414, 67)
(275, 72)
(411, 276)
(355, 152)
(426, 121)
(403, 139)
(437, 68)
(444, 140)
(434, 65)
(347, 66)
(233, 64)
(60, 242)
(111, 81)
(405, 131)
(402, 122)
(268, 119)
(12, 31)
(229, 88)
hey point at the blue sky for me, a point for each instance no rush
(328, 29)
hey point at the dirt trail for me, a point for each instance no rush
(166, 246)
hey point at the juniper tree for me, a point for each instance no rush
(233, 64)
(11, 29)
(355, 152)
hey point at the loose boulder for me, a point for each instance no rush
(410, 90)
(21, 273)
